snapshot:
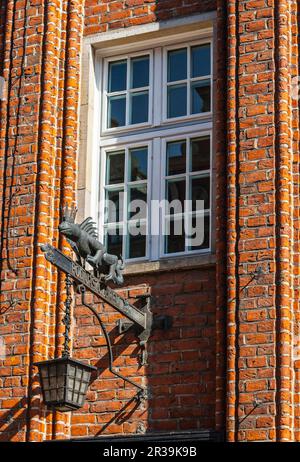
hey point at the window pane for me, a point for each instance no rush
(200, 191)
(200, 94)
(176, 192)
(138, 202)
(177, 101)
(115, 167)
(201, 64)
(139, 107)
(138, 164)
(174, 235)
(113, 241)
(177, 65)
(116, 111)
(140, 72)
(137, 240)
(199, 240)
(176, 157)
(117, 76)
(114, 206)
(200, 154)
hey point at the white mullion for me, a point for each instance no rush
(187, 186)
(158, 83)
(188, 107)
(125, 237)
(128, 76)
(155, 224)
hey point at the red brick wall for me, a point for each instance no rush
(180, 375)
(257, 204)
(102, 15)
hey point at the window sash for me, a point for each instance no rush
(156, 132)
(128, 92)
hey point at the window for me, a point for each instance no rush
(127, 92)
(188, 81)
(156, 150)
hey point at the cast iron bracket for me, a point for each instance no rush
(142, 318)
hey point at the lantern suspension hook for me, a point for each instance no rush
(142, 394)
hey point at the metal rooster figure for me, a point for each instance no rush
(83, 239)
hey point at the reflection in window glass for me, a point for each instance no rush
(176, 157)
(138, 201)
(114, 240)
(114, 206)
(138, 164)
(116, 111)
(176, 191)
(174, 235)
(200, 94)
(140, 72)
(139, 107)
(177, 65)
(117, 76)
(200, 191)
(177, 101)
(115, 167)
(201, 62)
(137, 240)
(206, 234)
(200, 154)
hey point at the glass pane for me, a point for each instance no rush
(86, 376)
(114, 241)
(46, 384)
(200, 191)
(138, 164)
(137, 206)
(176, 157)
(52, 370)
(137, 240)
(174, 235)
(117, 76)
(116, 111)
(71, 370)
(200, 154)
(176, 192)
(70, 383)
(177, 101)
(139, 107)
(199, 240)
(77, 385)
(140, 72)
(115, 167)
(177, 65)
(200, 94)
(201, 64)
(114, 206)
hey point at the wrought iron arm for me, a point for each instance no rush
(142, 390)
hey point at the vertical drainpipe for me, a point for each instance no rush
(283, 134)
(232, 174)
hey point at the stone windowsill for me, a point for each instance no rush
(170, 264)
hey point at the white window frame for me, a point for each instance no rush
(128, 127)
(186, 175)
(103, 158)
(188, 81)
(153, 133)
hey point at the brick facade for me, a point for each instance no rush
(228, 362)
